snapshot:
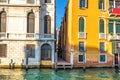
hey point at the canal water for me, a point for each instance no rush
(69, 74)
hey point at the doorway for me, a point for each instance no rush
(116, 59)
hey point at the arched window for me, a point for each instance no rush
(3, 21)
(81, 24)
(101, 26)
(47, 1)
(47, 24)
(46, 52)
(30, 22)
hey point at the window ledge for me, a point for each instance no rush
(102, 10)
(47, 3)
(83, 8)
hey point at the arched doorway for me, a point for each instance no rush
(46, 52)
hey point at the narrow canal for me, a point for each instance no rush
(69, 74)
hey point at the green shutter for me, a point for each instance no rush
(118, 28)
(101, 26)
(81, 25)
(110, 27)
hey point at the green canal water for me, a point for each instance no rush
(69, 74)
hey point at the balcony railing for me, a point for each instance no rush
(114, 11)
(26, 36)
(102, 36)
(82, 35)
(114, 37)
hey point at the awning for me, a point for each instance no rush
(114, 19)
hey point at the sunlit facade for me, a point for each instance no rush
(27, 30)
(90, 29)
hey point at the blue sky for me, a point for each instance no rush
(60, 8)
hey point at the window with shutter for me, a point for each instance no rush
(81, 24)
(3, 49)
(101, 26)
(111, 28)
(118, 27)
(31, 50)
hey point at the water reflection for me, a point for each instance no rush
(51, 74)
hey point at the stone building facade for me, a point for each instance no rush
(27, 30)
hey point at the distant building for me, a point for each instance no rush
(27, 28)
(90, 29)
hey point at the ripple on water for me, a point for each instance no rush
(51, 74)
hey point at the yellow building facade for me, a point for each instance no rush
(90, 32)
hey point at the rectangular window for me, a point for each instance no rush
(102, 58)
(111, 3)
(101, 26)
(31, 50)
(101, 4)
(117, 4)
(118, 27)
(111, 28)
(81, 47)
(83, 3)
(81, 58)
(102, 47)
(3, 50)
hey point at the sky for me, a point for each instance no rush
(60, 8)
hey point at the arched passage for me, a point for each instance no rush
(46, 52)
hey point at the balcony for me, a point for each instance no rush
(114, 37)
(26, 36)
(114, 12)
(102, 36)
(82, 35)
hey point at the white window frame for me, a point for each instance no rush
(86, 4)
(104, 5)
(104, 25)
(104, 46)
(84, 58)
(84, 23)
(105, 58)
(84, 46)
